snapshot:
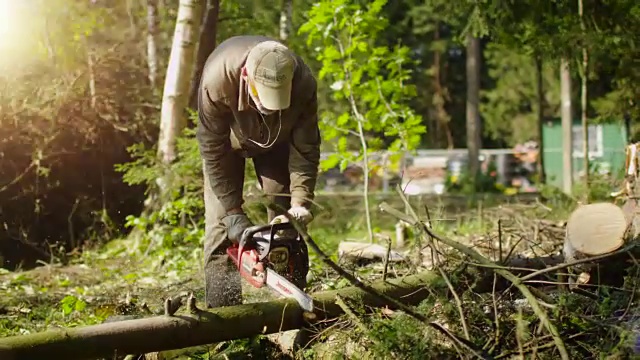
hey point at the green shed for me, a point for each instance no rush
(607, 142)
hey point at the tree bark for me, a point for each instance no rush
(152, 31)
(440, 95)
(540, 119)
(206, 45)
(179, 331)
(92, 74)
(567, 126)
(584, 104)
(176, 86)
(473, 112)
(286, 13)
(630, 190)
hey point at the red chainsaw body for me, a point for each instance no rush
(265, 252)
(247, 261)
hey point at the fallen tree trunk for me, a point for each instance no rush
(205, 327)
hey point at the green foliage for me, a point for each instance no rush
(602, 182)
(177, 222)
(371, 80)
(553, 30)
(509, 108)
(71, 303)
(465, 17)
(402, 335)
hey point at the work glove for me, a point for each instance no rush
(300, 213)
(236, 224)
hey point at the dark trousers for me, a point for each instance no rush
(222, 279)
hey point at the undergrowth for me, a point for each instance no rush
(166, 257)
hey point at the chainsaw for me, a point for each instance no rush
(274, 255)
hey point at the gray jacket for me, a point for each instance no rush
(226, 122)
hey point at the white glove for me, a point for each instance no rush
(300, 213)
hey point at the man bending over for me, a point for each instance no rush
(256, 99)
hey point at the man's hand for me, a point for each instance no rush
(236, 224)
(300, 213)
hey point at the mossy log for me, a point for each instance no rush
(205, 327)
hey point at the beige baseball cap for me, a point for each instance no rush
(270, 65)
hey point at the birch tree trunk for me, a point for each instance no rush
(152, 31)
(473, 113)
(567, 125)
(92, 75)
(176, 85)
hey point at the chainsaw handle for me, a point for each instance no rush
(252, 230)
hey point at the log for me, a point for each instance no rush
(594, 229)
(165, 332)
(358, 250)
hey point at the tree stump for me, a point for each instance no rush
(593, 229)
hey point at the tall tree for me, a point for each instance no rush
(567, 127)
(286, 23)
(152, 33)
(521, 91)
(173, 117)
(206, 45)
(440, 91)
(436, 30)
(540, 117)
(584, 103)
(473, 111)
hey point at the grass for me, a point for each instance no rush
(98, 283)
(110, 281)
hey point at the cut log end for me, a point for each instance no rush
(595, 229)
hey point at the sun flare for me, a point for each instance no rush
(7, 19)
(18, 32)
